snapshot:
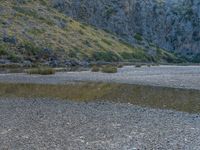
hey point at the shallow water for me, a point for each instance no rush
(186, 100)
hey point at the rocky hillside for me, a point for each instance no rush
(32, 31)
(171, 24)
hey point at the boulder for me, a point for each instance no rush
(11, 40)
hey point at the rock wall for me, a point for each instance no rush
(171, 24)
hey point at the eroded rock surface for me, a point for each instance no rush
(171, 24)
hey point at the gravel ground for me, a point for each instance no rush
(52, 124)
(167, 76)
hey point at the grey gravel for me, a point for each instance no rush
(167, 76)
(54, 124)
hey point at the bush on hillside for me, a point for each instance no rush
(107, 56)
(138, 37)
(3, 52)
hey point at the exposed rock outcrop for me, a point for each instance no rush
(171, 24)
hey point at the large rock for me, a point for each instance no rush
(4, 61)
(10, 39)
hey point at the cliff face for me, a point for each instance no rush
(33, 32)
(171, 24)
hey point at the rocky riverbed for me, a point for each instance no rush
(54, 124)
(166, 76)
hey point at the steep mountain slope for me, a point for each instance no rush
(32, 31)
(171, 24)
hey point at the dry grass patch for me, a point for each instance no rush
(95, 69)
(41, 71)
(109, 69)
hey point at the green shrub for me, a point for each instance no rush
(138, 66)
(3, 52)
(107, 42)
(95, 69)
(29, 48)
(120, 66)
(126, 55)
(107, 56)
(81, 32)
(155, 64)
(110, 10)
(109, 69)
(41, 71)
(196, 58)
(140, 55)
(14, 58)
(26, 11)
(83, 26)
(36, 32)
(149, 65)
(43, 2)
(138, 37)
(73, 54)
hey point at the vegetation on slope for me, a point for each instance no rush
(33, 32)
